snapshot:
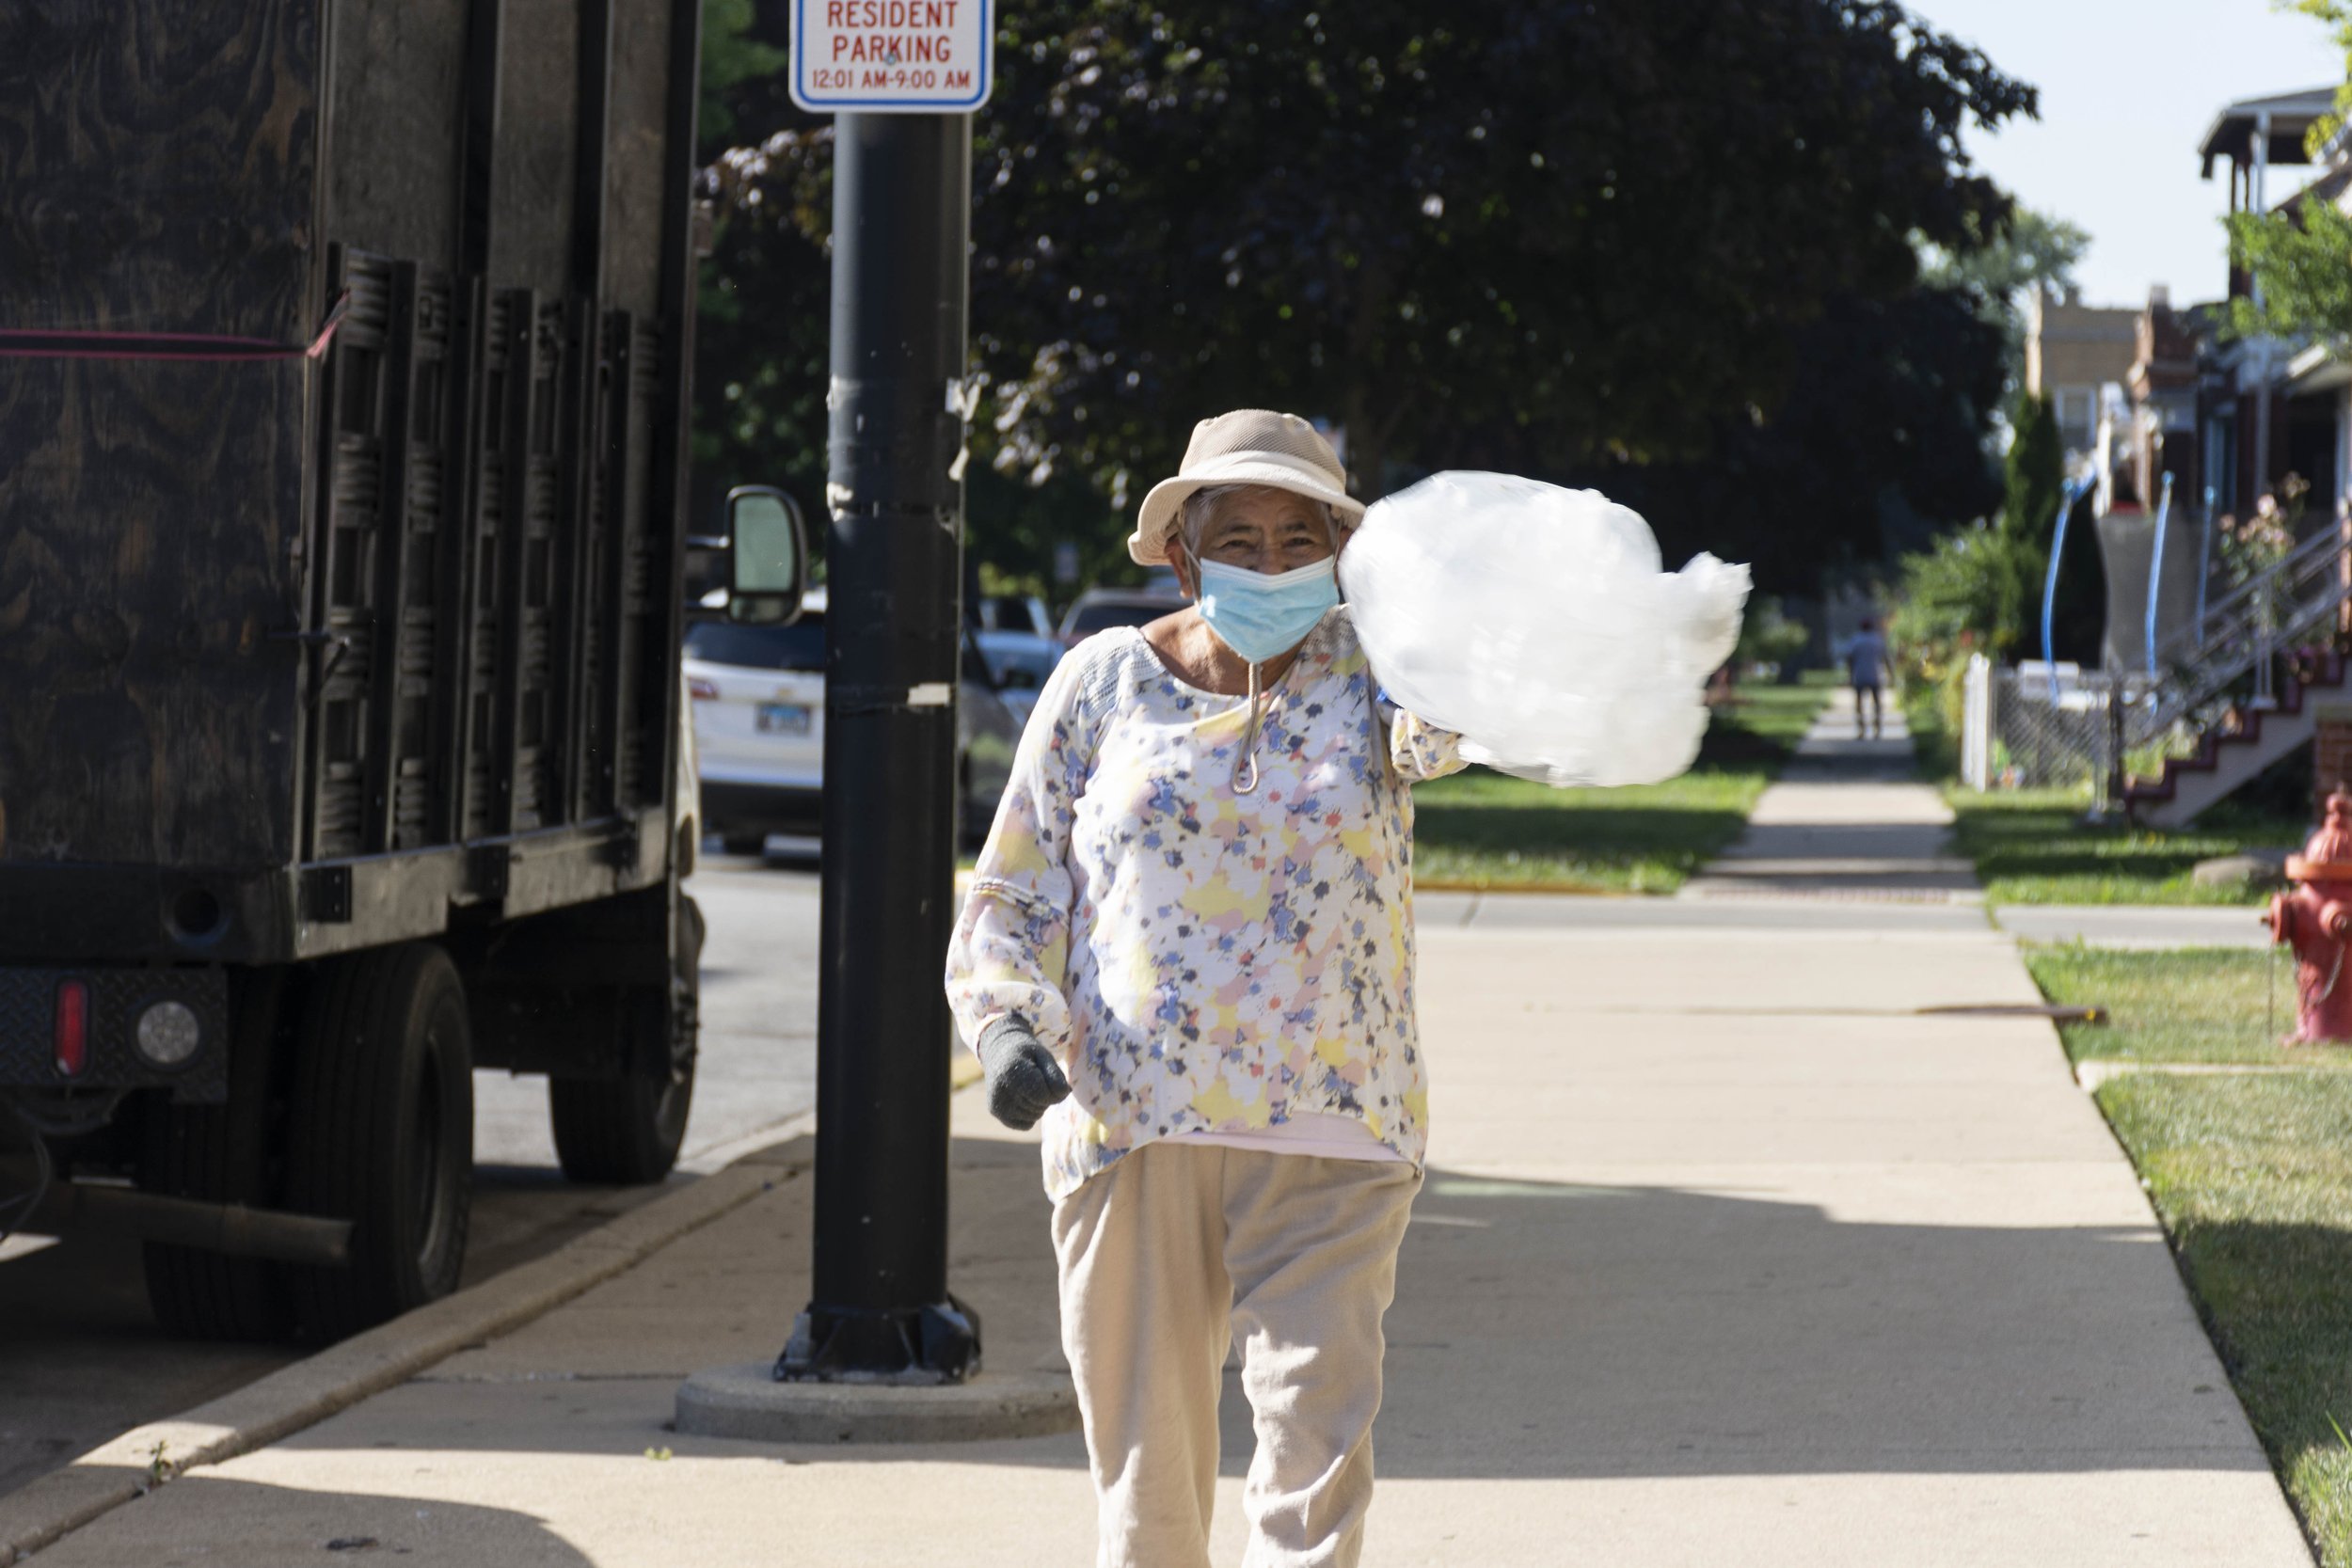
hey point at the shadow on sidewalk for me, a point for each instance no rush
(289, 1523)
(1840, 757)
(1540, 1330)
(1548, 1330)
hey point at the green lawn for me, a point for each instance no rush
(2031, 847)
(2252, 1174)
(1485, 829)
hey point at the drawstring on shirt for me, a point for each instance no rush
(1248, 758)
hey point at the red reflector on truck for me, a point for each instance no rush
(72, 1028)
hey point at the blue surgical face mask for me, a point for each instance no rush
(1261, 615)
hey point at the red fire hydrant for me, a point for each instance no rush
(2315, 917)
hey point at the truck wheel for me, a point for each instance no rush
(627, 1132)
(221, 1153)
(380, 1132)
(620, 1132)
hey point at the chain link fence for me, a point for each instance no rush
(2038, 725)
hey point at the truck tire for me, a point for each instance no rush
(627, 1132)
(380, 1132)
(225, 1154)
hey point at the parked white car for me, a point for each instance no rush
(1101, 608)
(1010, 613)
(759, 694)
(1020, 662)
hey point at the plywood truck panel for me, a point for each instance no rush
(157, 171)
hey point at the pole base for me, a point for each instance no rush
(748, 1403)
(909, 1347)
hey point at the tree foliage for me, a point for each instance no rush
(2029, 251)
(2301, 260)
(1979, 590)
(2336, 15)
(2300, 256)
(1622, 235)
(1885, 413)
(2035, 479)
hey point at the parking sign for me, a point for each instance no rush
(892, 56)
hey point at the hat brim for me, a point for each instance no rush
(1155, 522)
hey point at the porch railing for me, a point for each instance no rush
(2241, 633)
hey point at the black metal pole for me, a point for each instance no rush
(880, 1307)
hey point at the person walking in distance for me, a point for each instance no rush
(1865, 667)
(1188, 951)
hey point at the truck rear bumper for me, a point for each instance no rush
(79, 1027)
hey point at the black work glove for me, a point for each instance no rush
(1024, 1080)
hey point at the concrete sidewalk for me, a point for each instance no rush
(1846, 821)
(1727, 1254)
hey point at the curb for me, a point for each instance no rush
(306, 1393)
(747, 1403)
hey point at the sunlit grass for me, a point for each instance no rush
(2252, 1174)
(1484, 830)
(2032, 847)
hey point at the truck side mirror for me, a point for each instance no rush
(766, 556)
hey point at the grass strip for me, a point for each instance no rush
(2033, 847)
(2252, 1176)
(1485, 829)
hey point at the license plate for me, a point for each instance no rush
(783, 719)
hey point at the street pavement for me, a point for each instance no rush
(758, 1064)
(2137, 926)
(81, 1358)
(1728, 1253)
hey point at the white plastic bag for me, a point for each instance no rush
(1536, 623)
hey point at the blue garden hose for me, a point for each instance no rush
(2155, 569)
(2075, 489)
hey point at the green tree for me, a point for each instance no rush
(1602, 234)
(2336, 15)
(733, 56)
(1979, 590)
(2301, 260)
(1884, 417)
(759, 333)
(2300, 256)
(2034, 480)
(2027, 250)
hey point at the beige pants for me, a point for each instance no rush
(1163, 1256)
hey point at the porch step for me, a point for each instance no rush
(2228, 755)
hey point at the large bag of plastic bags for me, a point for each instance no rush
(1536, 622)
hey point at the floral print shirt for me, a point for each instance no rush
(1201, 959)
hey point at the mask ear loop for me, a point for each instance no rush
(1249, 759)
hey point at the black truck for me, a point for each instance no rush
(343, 361)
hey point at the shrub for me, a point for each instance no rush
(1768, 636)
(1974, 592)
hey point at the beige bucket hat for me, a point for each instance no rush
(1249, 446)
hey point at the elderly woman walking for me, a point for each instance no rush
(1189, 949)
